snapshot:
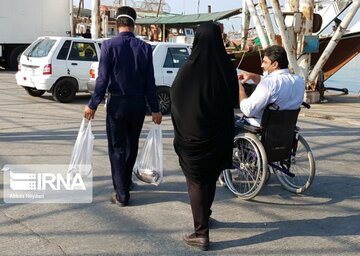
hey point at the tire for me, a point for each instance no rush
(14, 57)
(33, 92)
(163, 94)
(302, 165)
(64, 90)
(267, 176)
(248, 175)
(221, 180)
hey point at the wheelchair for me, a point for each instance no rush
(275, 147)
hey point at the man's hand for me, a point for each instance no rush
(89, 113)
(156, 117)
(242, 93)
(244, 77)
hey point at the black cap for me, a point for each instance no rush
(126, 10)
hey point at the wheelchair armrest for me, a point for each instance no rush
(248, 128)
(306, 105)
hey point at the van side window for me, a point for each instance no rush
(175, 57)
(64, 50)
(83, 52)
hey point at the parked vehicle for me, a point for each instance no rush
(24, 21)
(59, 65)
(167, 59)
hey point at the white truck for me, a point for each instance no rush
(22, 21)
(167, 59)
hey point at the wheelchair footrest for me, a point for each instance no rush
(282, 169)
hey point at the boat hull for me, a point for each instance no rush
(347, 48)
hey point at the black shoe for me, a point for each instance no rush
(132, 186)
(120, 201)
(199, 242)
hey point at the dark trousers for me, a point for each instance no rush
(124, 121)
(201, 198)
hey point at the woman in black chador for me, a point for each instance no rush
(203, 96)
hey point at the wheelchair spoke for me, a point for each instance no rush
(247, 176)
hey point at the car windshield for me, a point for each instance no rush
(40, 48)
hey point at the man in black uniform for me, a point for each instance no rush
(126, 71)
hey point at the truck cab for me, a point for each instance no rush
(24, 21)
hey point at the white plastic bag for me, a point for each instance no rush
(149, 162)
(82, 153)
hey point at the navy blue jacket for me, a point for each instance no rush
(126, 69)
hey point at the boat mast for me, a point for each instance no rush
(245, 25)
(286, 39)
(257, 23)
(267, 21)
(307, 10)
(332, 44)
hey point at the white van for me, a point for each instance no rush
(59, 65)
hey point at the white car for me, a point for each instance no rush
(59, 65)
(167, 59)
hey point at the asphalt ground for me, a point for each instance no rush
(325, 220)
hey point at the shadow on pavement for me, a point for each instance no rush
(294, 228)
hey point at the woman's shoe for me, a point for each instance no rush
(199, 242)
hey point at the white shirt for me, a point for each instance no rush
(280, 87)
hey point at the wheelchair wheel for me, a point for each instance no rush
(302, 165)
(221, 180)
(247, 176)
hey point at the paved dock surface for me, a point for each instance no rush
(323, 221)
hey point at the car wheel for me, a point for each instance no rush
(64, 90)
(164, 100)
(33, 92)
